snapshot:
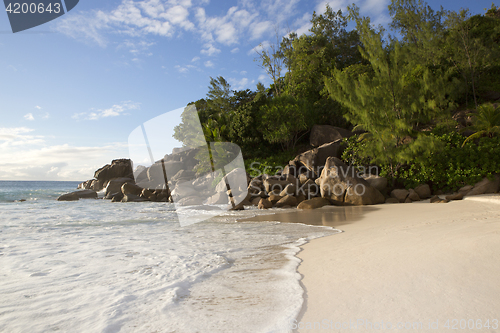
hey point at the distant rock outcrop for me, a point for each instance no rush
(77, 195)
(321, 134)
(120, 168)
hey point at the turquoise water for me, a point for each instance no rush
(97, 266)
(11, 191)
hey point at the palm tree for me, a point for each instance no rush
(486, 122)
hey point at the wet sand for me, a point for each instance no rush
(414, 267)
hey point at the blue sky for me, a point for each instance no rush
(72, 90)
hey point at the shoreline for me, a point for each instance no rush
(415, 263)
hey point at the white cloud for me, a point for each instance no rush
(46, 115)
(29, 117)
(181, 69)
(57, 162)
(280, 10)
(240, 84)
(209, 64)
(303, 24)
(210, 50)
(262, 46)
(138, 20)
(195, 59)
(334, 4)
(137, 47)
(38, 107)
(114, 111)
(258, 29)
(133, 18)
(16, 137)
(85, 26)
(12, 133)
(374, 7)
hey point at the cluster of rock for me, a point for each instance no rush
(117, 179)
(185, 187)
(303, 186)
(313, 179)
(421, 192)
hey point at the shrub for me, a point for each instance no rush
(268, 165)
(455, 166)
(448, 167)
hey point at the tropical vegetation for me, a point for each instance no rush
(423, 96)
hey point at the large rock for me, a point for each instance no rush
(309, 189)
(115, 185)
(77, 195)
(296, 169)
(423, 191)
(321, 134)
(184, 175)
(314, 203)
(132, 198)
(189, 201)
(265, 204)
(363, 195)
(413, 196)
(341, 184)
(437, 199)
(218, 198)
(288, 200)
(131, 188)
(290, 189)
(486, 186)
(184, 190)
(120, 168)
(315, 159)
(157, 176)
(379, 182)
(275, 184)
(92, 184)
(237, 179)
(400, 194)
(466, 189)
(455, 196)
(141, 173)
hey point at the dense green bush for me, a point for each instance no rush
(455, 166)
(352, 153)
(268, 165)
(447, 168)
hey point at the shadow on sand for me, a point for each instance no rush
(331, 216)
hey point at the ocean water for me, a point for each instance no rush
(97, 266)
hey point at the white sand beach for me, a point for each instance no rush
(418, 267)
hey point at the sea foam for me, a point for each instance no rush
(97, 266)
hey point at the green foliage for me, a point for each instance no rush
(421, 28)
(188, 131)
(454, 166)
(486, 122)
(283, 119)
(354, 153)
(311, 57)
(218, 95)
(268, 165)
(448, 166)
(391, 101)
(465, 51)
